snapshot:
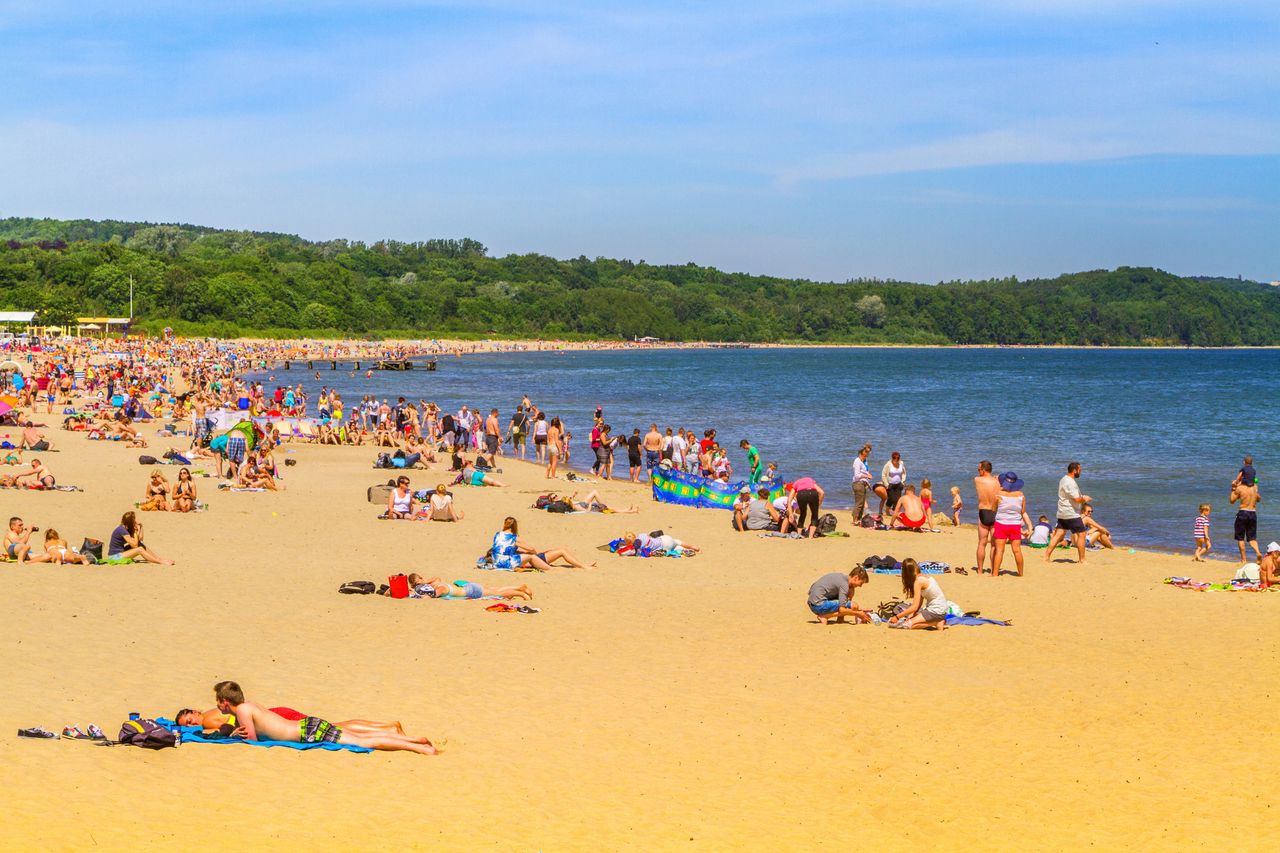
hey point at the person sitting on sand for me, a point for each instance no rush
(42, 477)
(473, 476)
(16, 545)
(832, 596)
(437, 588)
(156, 495)
(401, 503)
(928, 608)
(908, 513)
(126, 543)
(57, 551)
(259, 723)
(439, 506)
(214, 720)
(760, 513)
(184, 492)
(33, 439)
(511, 553)
(1096, 536)
(643, 541)
(1269, 566)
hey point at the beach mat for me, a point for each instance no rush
(953, 621)
(191, 734)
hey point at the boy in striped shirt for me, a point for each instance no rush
(1201, 531)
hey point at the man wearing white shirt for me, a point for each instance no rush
(861, 483)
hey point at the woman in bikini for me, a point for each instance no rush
(553, 447)
(184, 492)
(437, 588)
(56, 550)
(157, 493)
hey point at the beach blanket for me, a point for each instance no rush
(676, 487)
(932, 570)
(191, 734)
(1241, 585)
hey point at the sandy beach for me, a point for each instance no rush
(652, 705)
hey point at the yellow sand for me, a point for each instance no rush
(653, 704)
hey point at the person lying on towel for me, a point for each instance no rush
(258, 723)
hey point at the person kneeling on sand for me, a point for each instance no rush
(259, 723)
(909, 513)
(832, 596)
(437, 588)
(928, 608)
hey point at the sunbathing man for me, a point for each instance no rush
(40, 474)
(437, 588)
(32, 438)
(909, 514)
(259, 723)
(214, 720)
(1269, 566)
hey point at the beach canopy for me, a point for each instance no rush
(676, 487)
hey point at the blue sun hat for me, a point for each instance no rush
(1010, 483)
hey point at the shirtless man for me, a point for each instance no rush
(258, 723)
(15, 541)
(988, 489)
(492, 433)
(652, 448)
(1269, 566)
(32, 438)
(1246, 517)
(909, 513)
(45, 478)
(213, 719)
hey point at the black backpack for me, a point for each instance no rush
(827, 523)
(358, 588)
(147, 734)
(559, 506)
(144, 459)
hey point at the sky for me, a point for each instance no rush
(918, 140)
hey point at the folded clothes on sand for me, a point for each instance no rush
(1236, 585)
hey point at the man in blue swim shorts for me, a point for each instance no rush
(831, 596)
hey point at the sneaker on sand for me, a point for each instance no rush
(37, 732)
(96, 733)
(74, 733)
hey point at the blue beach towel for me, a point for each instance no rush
(191, 734)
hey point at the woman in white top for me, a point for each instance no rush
(441, 506)
(400, 503)
(892, 476)
(928, 608)
(1011, 521)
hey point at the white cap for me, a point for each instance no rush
(1273, 547)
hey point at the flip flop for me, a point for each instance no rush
(961, 570)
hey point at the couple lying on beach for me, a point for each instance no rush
(236, 717)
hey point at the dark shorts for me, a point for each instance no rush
(1246, 525)
(1074, 525)
(491, 444)
(316, 730)
(633, 459)
(987, 517)
(651, 459)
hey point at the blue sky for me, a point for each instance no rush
(922, 140)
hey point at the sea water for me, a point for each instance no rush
(1157, 431)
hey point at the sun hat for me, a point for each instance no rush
(745, 490)
(1009, 482)
(1273, 547)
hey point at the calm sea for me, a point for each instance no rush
(1157, 431)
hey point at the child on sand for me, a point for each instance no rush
(928, 608)
(259, 723)
(1040, 533)
(831, 596)
(957, 504)
(1200, 531)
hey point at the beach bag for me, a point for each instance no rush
(399, 586)
(868, 521)
(379, 494)
(559, 506)
(827, 523)
(92, 547)
(542, 502)
(358, 588)
(144, 459)
(147, 734)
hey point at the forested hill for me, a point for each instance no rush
(210, 281)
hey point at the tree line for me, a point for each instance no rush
(202, 280)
